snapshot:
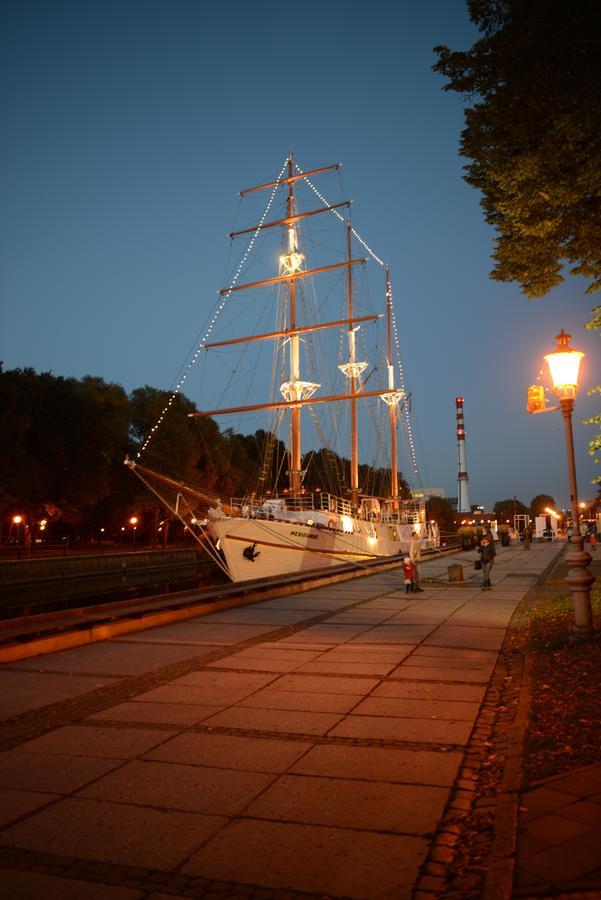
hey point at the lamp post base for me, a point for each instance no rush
(579, 579)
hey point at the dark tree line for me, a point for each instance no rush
(65, 441)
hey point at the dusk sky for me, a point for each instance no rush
(128, 129)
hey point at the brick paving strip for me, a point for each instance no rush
(321, 739)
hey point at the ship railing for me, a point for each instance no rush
(319, 501)
(277, 506)
(409, 512)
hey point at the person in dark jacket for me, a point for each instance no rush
(487, 554)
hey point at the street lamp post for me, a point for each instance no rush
(564, 363)
(18, 520)
(133, 522)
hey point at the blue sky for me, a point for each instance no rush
(127, 130)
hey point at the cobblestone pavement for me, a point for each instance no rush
(333, 743)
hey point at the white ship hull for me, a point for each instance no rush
(259, 548)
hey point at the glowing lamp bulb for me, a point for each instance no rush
(564, 364)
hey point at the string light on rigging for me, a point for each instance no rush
(405, 409)
(218, 311)
(293, 260)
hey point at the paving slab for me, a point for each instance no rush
(230, 751)
(220, 792)
(22, 691)
(326, 684)
(55, 773)
(361, 616)
(114, 658)
(373, 806)
(276, 720)
(274, 650)
(96, 741)
(403, 729)
(14, 804)
(245, 662)
(333, 861)
(380, 764)
(337, 667)
(199, 633)
(439, 673)
(434, 690)
(449, 653)
(155, 713)
(33, 885)
(114, 832)
(394, 634)
(309, 702)
(436, 662)
(256, 614)
(211, 687)
(559, 833)
(417, 709)
(334, 634)
(367, 653)
(477, 638)
(579, 857)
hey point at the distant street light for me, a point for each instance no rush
(17, 520)
(133, 522)
(564, 363)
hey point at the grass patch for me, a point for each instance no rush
(563, 728)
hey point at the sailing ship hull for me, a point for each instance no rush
(255, 548)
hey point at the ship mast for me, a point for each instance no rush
(296, 392)
(294, 389)
(394, 478)
(392, 400)
(352, 370)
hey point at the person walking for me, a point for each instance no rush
(415, 555)
(487, 554)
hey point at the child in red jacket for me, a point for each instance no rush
(408, 574)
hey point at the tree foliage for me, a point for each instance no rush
(533, 134)
(507, 509)
(441, 511)
(65, 442)
(60, 438)
(594, 445)
(538, 504)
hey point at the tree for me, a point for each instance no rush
(538, 504)
(594, 446)
(441, 511)
(533, 135)
(62, 439)
(507, 509)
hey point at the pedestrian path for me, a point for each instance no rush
(559, 840)
(306, 745)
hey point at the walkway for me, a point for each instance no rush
(306, 744)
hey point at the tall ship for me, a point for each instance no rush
(299, 317)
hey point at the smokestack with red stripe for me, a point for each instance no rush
(463, 497)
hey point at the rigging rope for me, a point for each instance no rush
(216, 314)
(225, 297)
(206, 544)
(365, 245)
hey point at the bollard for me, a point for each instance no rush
(455, 572)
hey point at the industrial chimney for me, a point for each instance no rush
(463, 497)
